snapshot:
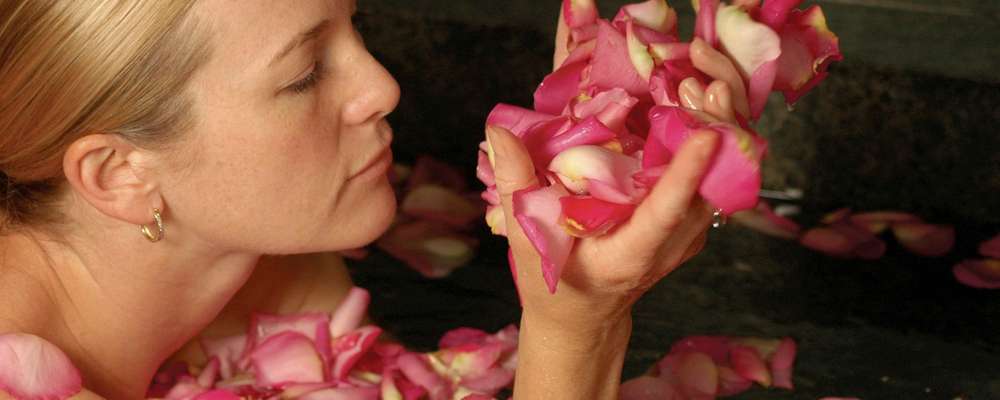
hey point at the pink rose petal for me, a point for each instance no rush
(829, 241)
(782, 362)
(431, 249)
(611, 66)
(31, 368)
(652, 14)
(314, 326)
(286, 358)
(415, 368)
(462, 336)
(878, 221)
(749, 364)
(731, 383)
(588, 216)
(611, 108)
(538, 212)
(981, 274)
(775, 13)
(808, 47)
(763, 219)
(925, 239)
(430, 171)
(369, 393)
(350, 312)
(217, 394)
(648, 388)
(704, 27)
(697, 376)
(991, 248)
(559, 88)
(515, 119)
(440, 204)
(349, 348)
(490, 381)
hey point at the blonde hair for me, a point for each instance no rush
(70, 68)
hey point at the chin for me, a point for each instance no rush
(366, 222)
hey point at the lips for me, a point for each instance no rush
(382, 159)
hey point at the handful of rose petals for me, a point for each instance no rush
(606, 123)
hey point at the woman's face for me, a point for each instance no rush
(290, 146)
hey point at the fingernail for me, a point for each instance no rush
(491, 150)
(692, 94)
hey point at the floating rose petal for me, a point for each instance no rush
(648, 388)
(315, 326)
(731, 383)
(429, 171)
(782, 362)
(217, 394)
(696, 376)
(350, 312)
(31, 368)
(496, 220)
(750, 365)
(878, 221)
(462, 336)
(991, 248)
(349, 348)
(286, 358)
(369, 393)
(538, 212)
(981, 274)
(829, 241)
(440, 204)
(925, 239)
(416, 369)
(432, 250)
(763, 219)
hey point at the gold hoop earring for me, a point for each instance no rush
(159, 228)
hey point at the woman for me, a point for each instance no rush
(229, 129)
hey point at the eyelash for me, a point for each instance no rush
(309, 81)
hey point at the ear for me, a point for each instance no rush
(107, 171)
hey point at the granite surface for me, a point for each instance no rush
(871, 137)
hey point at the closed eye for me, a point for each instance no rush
(309, 81)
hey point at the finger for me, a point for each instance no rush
(719, 67)
(667, 206)
(719, 101)
(562, 42)
(692, 94)
(513, 171)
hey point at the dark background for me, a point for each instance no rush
(908, 121)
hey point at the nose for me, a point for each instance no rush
(375, 93)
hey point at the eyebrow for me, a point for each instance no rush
(300, 39)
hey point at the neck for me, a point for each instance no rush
(126, 304)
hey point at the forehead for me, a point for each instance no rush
(251, 31)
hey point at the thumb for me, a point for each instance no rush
(512, 165)
(513, 171)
